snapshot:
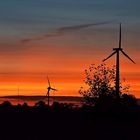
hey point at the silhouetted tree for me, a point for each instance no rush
(40, 104)
(100, 81)
(25, 106)
(129, 100)
(6, 104)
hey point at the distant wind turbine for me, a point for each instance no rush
(117, 51)
(18, 94)
(49, 89)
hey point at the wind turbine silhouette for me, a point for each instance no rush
(117, 52)
(18, 94)
(48, 92)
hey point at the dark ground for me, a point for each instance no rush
(62, 122)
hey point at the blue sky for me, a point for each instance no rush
(20, 17)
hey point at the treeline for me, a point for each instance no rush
(108, 119)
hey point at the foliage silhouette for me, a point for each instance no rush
(63, 121)
(101, 85)
(129, 100)
(6, 104)
(40, 104)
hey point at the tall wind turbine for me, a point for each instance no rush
(117, 52)
(48, 92)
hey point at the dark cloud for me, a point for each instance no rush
(26, 40)
(30, 39)
(63, 30)
(79, 27)
(45, 36)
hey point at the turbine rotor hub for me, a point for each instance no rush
(117, 49)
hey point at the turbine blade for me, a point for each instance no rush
(127, 56)
(53, 89)
(109, 56)
(120, 37)
(49, 82)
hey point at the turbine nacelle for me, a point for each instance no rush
(117, 49)
(50, 88)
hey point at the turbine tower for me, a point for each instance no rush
(48, 92)
(117, 52)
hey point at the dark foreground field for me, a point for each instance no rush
(62, 122)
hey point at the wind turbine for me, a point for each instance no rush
(49, 89)
(18, 94)
(117, 52)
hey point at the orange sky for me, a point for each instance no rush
(60, 40)
(64, 61)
